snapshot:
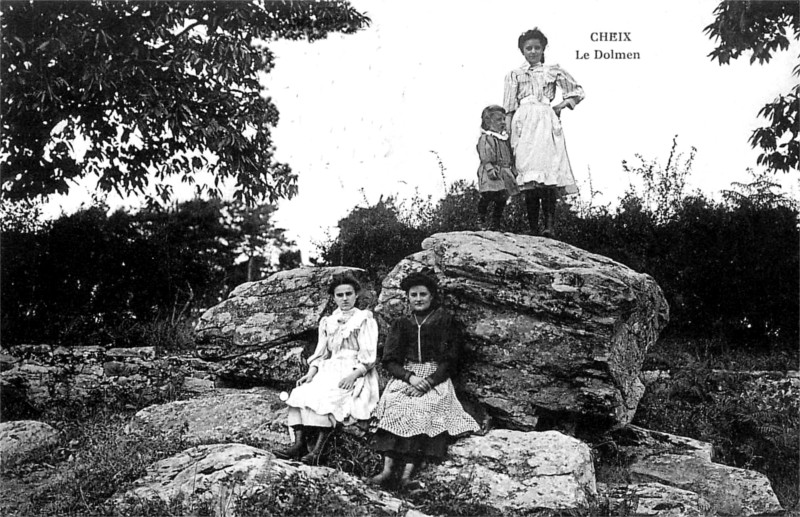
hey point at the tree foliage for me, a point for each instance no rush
(257, 238)
(374, 238)
(159, 89)
(761, 28)
(128, 268)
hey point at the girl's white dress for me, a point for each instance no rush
(347, 342)
(537, 138)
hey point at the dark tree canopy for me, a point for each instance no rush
(156, 87)
(761, 27)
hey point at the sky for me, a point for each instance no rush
(371, 114)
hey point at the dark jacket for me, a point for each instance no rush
(439, 340)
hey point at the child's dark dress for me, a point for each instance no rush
(427, 346)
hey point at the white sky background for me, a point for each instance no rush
(364, 111)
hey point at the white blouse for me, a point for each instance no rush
(539, 81)
(337, 334)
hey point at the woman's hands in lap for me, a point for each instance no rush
(421, 385)
(349, 382)
(306, 378)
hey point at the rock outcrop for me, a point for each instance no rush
(40, 375)
(652, 500)
(687, 464)
(556, 332)
(224, 475)
(259, 333)
(21, 438)
(514, 470)
(220, 416)
(638, 443)
(731, 491)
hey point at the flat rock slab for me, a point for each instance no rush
(21, 438)
(225, 474)
(653, 500)
(221, 416)
(729, 490)
(515, 470)
(553, 329)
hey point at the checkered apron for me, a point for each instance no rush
(431, 414)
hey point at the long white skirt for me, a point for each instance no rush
(540, 151)
(323, 395)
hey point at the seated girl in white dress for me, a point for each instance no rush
(341, 385)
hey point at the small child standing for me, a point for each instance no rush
(496, 176)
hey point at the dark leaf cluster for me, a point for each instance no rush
(761, 27)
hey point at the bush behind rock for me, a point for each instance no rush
(727, 268)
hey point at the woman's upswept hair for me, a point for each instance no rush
(534, 33)
(343, 279)
(486, 113)
(424, 278)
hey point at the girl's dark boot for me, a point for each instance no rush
(497, 215)
(312, 458)
(294, 450)
(549, 209)
(532, 201)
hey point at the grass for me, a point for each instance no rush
(93, 459)
(674, 353)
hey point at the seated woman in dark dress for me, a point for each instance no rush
(418, 413)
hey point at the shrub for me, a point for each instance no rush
(373, 238)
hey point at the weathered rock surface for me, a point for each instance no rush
(554, 330)
(522, 470)
(21, 438)
(638, 443)
(685, 463)
(258, 334)
(220, 416)
(42, 374)
(226, 473)
(653, 499)
(731, 491)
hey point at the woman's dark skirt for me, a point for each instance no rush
(421, 445)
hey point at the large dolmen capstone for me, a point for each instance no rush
(553, 332)
(259, 332)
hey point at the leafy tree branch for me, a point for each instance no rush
(159, 89)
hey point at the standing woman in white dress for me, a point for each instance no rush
(341, 385)
(540, 153)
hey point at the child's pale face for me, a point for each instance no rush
(420, 298)
(533, 50)
(497, 122)
(345, 296)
